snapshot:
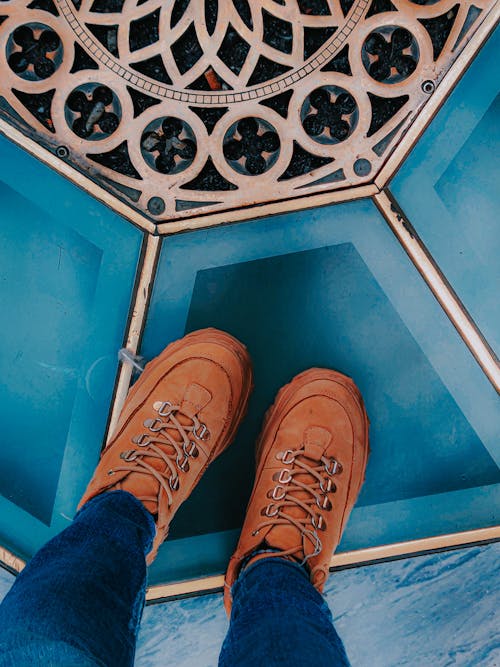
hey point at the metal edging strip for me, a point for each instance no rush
(135, 327)
(371, 555)
(439, 286)
(272, 208)
(10, 561)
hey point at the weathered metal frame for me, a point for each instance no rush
(404, 232)
(135, 327)
(341, 561)
(440, 287)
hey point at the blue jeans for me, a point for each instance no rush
(79, 601)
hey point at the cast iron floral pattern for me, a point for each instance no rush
(225, 104)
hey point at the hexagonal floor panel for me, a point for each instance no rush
(332, 288)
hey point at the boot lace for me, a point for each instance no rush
(284, 495)
(159, 443)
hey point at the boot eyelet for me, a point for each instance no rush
(191, 450)
(111, 472)
(272, 510)
(141, 440)
(203, 434)
(318, 522)
(285, 476)
(327, 485)
(183, 463)
(173, 482)
(129, 455)
(333, 467)
(278, 493)
(152, 424)
(163, 408)
(324, 503)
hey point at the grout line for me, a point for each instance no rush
(437, 99)
(370, 555)
(136, 324)
(439, 286)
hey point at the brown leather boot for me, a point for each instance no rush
(311, 460)
(181, 413)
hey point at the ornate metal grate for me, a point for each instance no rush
(192, 106)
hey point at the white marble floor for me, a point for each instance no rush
(438, 610)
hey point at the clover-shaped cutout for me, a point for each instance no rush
(93, 111)
(251, 146)
(168, 145)
(34, 51)
(329, 114)
(390, 54)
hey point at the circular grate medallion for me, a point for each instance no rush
(193, 106)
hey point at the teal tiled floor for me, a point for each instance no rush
(328, 287)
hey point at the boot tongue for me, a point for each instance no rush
(316, 441)
(195, 399)
(314, 444)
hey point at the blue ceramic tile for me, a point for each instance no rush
(332, 287)
(67, 268)
(450, 190)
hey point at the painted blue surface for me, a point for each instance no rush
(67, 268)
(450, 190)
(57, 269)
(439, 610)
(332, 287)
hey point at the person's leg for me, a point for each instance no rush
(80, 599)
(311, 461)
(278, 619)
